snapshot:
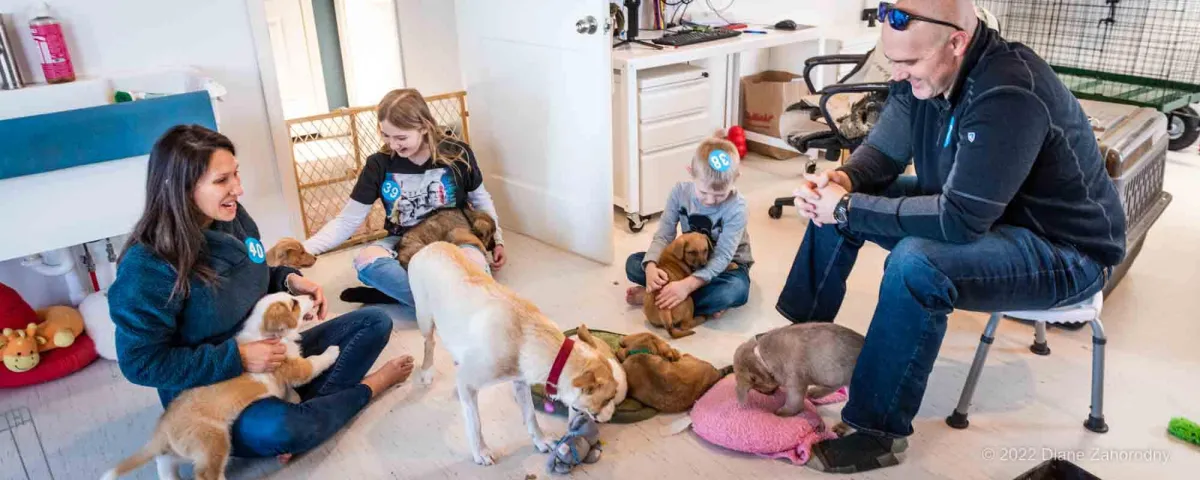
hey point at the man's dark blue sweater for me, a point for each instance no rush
(185, 341)
(1010, 145)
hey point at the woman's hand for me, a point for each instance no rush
(676, 292)
(498, 257)
(299, 285)
(263, 356)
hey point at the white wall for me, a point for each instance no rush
(429, 45)
(213, 36)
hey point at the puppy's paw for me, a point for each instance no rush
(841, 429)
(786, 411)
(426, 377)
(332, 352)
(542, 444)
(485, 457)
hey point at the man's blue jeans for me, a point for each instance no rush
(1010, 268)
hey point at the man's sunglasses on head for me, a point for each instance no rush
(899, 19)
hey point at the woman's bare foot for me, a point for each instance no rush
(391, 373)
(635, 295)
(284, 458)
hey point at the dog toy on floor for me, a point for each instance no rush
(1185, 430)
(580, 445)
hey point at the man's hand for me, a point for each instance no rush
(655, 278)
(820, 193)
(676, 292)
(303, 286)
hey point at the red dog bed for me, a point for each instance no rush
(54, 364)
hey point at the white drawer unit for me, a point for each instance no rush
(673, 117)
(672, 131)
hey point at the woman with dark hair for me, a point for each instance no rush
(191, 272)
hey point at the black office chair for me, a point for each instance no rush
(844, 129)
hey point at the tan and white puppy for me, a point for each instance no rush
(496, 336)
(196, 425)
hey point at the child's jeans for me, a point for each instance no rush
(272, 426)
(728, 290)
(386, 275)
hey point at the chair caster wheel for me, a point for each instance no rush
(636, 223)
(776, 211)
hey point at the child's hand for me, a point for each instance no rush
(655, 278)
(498, 257)
(676, 292)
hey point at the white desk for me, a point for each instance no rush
(631, 58)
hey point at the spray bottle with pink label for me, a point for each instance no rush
(48, 34)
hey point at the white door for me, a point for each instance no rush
(370, 38)
(539, 94)
(293, 34)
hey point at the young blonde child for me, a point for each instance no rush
(417, 171)
(708, 204)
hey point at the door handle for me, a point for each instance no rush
(587, 26)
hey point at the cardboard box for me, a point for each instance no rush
(765, 98)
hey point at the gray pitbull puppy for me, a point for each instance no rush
(796, 357)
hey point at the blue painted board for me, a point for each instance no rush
(54, 141)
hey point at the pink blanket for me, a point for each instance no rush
(718, 418)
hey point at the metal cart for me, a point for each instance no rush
(1144, 53)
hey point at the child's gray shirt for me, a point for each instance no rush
(724, 223)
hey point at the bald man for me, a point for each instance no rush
(1010, 209)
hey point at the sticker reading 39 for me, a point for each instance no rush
(391, 190)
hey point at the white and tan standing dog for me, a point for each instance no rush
(496, 336)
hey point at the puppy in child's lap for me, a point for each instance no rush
(818, 355)
(196, 425)
(687, 253)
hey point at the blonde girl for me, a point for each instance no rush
(417, 171)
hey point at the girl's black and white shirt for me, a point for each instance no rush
(409, 193)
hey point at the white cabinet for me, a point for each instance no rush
(673, 103)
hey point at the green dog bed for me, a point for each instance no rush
(629, 411)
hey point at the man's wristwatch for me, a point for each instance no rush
(841, 212)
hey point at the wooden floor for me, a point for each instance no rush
(1027, 408)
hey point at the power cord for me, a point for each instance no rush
(717, 11)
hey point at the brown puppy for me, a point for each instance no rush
(796, 357)
(196, 424)
(661, 377)
(687, 253)
(289, 252)
(448, 225)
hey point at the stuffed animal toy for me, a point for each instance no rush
(59, 328)
(20, 349)
(580, 445)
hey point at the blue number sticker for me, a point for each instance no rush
(391, 190)
(255, 250)
(719, 160)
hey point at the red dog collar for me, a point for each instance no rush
(559, 362)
